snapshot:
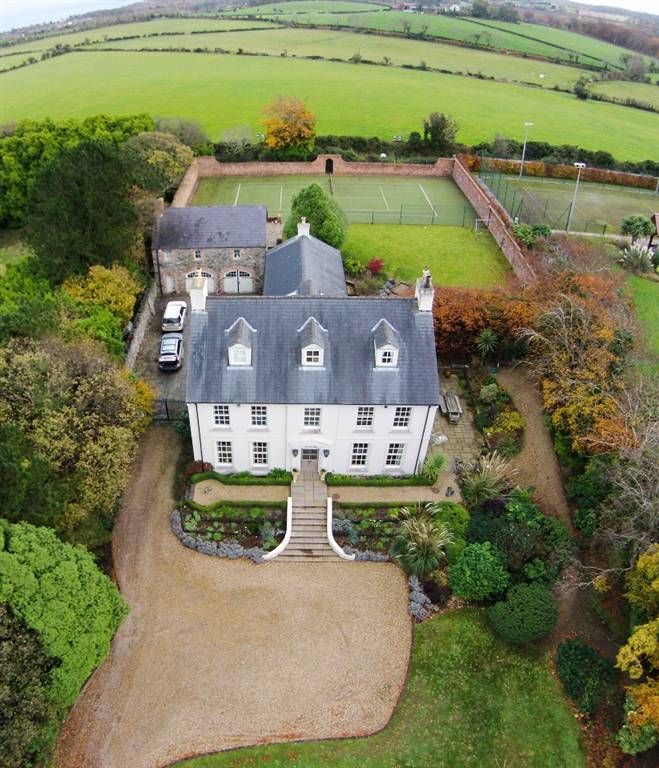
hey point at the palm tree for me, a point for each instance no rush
(486, 342)
(420, 545)
(488, 479)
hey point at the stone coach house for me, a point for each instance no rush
(306, 372)
(226, 243)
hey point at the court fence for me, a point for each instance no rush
(437, 215)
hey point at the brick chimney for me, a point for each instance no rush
(198, 292)
(425, 293)
(303, 227)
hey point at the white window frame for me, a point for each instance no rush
(260, 454)
(402, 417)
(240, 355)
(394, 457)
(365, 414)
(221, 416)
(316, 355)
(311, 418)
(236, 253)
(224, 450)
(197, 254)
(387, 357)
(259, 416)
(359, 455)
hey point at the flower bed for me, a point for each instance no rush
(374, 480)
(496, 417)
(274, 477)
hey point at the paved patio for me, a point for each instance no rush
(465, 442)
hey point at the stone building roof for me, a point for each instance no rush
(213, 226)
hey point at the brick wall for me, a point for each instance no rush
(188, 185)
(142, 318)
(498, 222)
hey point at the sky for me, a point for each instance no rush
(21, 13)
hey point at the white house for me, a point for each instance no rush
(306, 372)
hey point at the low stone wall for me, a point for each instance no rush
(141, 323)
(497, 220)
(188, 185)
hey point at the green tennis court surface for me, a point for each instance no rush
(364, 199)
(598, 207)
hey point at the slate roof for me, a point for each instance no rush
(348, 375)
(213, 226)
(304, 266)
(384, 335)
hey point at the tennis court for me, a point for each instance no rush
(364, 199)
(598, 207)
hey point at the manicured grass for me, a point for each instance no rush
(596, 204)
(12, 248)
(618, 89)
(365, 199)
(343, 45)
(470, 702)
(645, 295)
(225, 91)
(456, 256)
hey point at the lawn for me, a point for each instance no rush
(645, 295)
(619, 89)
(469, 701)
(456, 256)
(343, 45)
(549, 200)
(225, 91)
(315, 6)
(365, 199)
(12, 248)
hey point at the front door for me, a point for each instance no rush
(238, 281)
(310, 459)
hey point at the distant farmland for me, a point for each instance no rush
(222, 91)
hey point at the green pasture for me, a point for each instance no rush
(494, 35)
(456, 256)
(368, 199)
(470, 702)
(343, 45)
(316, 6)
(225, 91)
(645, 297)
(598, 208)
(619, 89)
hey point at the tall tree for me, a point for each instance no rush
(289, 125)
(327, 220)
(80, 211)
(439, 132)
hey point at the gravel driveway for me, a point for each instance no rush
(217, 654)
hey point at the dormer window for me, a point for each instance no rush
(313, 342)
(240, 343)
(386, 344)
(197, 254)
(312, 356)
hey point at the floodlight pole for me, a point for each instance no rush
(579, 167)
(526, 138)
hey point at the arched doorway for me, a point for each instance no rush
(238, 281)
(329, 165)
(208, 275)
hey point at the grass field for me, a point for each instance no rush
(521, 38)
(343, 45)
(549, 200)
(316, 6)
(368, 199)
(470, 702)
(225, 91)
(619, 89)
(645, 295)
(456, 256)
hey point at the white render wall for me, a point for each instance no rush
(285, 432)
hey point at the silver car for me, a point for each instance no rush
(171, 352)
(173, 318)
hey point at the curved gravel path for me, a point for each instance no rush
(217, 654)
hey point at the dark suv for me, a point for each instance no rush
(171, 352)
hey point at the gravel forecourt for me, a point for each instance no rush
(220, 654)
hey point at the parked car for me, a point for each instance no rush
(171, 352)
(173, 318)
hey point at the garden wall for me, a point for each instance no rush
(144, 314)
(497, 220)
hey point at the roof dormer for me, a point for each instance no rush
(240, 343)
(386, 345)
(313, 344)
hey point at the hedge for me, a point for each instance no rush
(240, 504)
(374, 480)
(275, 477)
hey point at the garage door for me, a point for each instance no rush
(238, 281)
(207, 275)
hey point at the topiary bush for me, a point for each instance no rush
(585, 674)
(528, 613)
(479, 572)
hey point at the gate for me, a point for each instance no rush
(169, 410)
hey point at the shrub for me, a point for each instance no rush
(487, 480)
(528, 613)
(585, 674)
(479, 572)
(456, 519)
(374, 480)
(420, 545)
(636, 258)
(433, 467)
(636, 226)
(489, 393)
(274, 477)
(375, 266)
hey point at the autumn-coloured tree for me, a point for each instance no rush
(289, 125)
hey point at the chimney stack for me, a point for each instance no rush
(198, 292)
(425, 293)
(303, 227)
